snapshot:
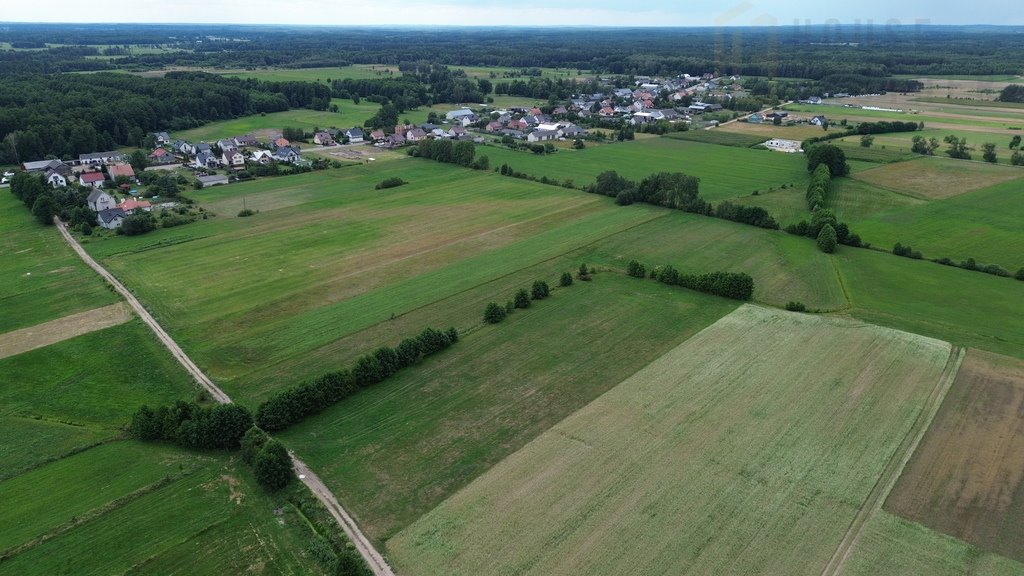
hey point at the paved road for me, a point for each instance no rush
(373, 558)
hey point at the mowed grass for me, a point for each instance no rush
(966, 479)
(748, 448)
(41, 279)
(725, 171)
(938, 178)
(767, 130)
(349, 115)
(27, 442)
(293, 279)
(719, 136)
(147, 509)
(320, 75)
(984, 225)
(95, 380)
(396, 450)
(967, 308)
(893, 546)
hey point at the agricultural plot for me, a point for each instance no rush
(40, 278)
(967, 479)
(767, 131)
(725, 172)
(28, 442)
(798, 414)
(984, 225)
(719, 136)
(396, 450)
(321, 75)
(938, 178)
(263, 125)
(149, 509)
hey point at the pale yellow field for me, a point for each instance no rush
(748, 449)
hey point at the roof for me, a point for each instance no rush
(212, 179)
(96, 195)
(40, 165)
(133, 204)
(121, 170)
(354, 132)
(97, 155)
(159, 153)
(110, 214)
(465, 112)
(90, 177)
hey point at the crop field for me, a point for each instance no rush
(40, 277)
(321, 75)
(896, 547)
(396, 450)
(967, 478)
(767, 130)
(725, 171)
(984, 225)
(27, 442)
(719, 136)
(149, 509)
(349, 115)
(939, 178)
(797, 413)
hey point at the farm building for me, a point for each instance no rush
(780, 145)
(208, 181)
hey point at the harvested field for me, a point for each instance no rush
(767, 131)
(938, 178)
(61, 329)
(967, 477)
(747, 449)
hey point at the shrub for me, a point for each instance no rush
(494, 313)
(521, 299)
(138, 223)
(566, 279)
(584, 273)
(540, 290)
(392, 182)
(246, 213)
(1019, 275)
(795, 306)
(273, 466)
(252, 443)
(827, 239)
(636, 269)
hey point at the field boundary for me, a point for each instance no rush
(64, 328)
(370, 554)
(876, 498)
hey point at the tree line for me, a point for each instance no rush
(462, 153)
(971, 264)
(734, 285)
(495, 313)
(313, 396)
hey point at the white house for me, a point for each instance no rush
(233, 157)
(323, 139)
(819, 121)
(542, 136)
(355, 135)
(465, 116)
(94, 179)
(96, 158)
(287, 154)
(110, 218)
(205, 160)
(99, 201)
(55, 179)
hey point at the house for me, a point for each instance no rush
(162, 138)
(355, 135)
(542, 136)
(201, 148)
(780, 145)
(819, 121)
(233, 157)
(606, 111)
(56, 179)
(121, 170)
(130, 206)
(456, 132)
(323, 139)
(205, 160)
(94, 179)
(573, 131)
(225, 144)
(99, 201)
(559, 110)
(517, 125)
(99, 158)
(246, 140)
(465, 116)
(207, 181)
(161, 156)
(287, 154)
(377, 136)
(262, 156)
(182, 147)
(46, 165)
(755, 118)
(773, 115)
(494, 126)
(415, 135)
(110, 218)
(395, 140)
(438, 133)
(280, 143)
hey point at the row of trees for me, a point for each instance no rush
(313, 396)
(446, 151)
(495, 313)
(738, 286)
(819, 188)
(969, 264)
(960, 150)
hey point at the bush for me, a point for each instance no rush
(273, 466)
(540, 290)
(494, 313)
(827, 239)
(583, 273)
(392, 182)
(739, 286)
(795, 306)
(246, 213)
(138, 223)
(1019, 275)
(252, 443)
(521, 299)
(566, 279)
(906, 252)
(636, 269)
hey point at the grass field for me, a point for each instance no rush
(321, 75)
(860, 115)
(349, 115)
(725, 171)
(896, 547)
(984, 225)
(967, 479)
(797, 414)
(150, 510)
(937, 178)
(395, 451)
(718, 136)
(767, 131)
(28, 442)
(40, 277)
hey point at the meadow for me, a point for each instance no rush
(320, 75)
(263, 125)
(794, 412)
(936, 178)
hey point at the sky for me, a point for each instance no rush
(522, 12)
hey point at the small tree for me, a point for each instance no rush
(494, 313)
(1017, 159)
(44, 209)
(583, 271)
(252, 442)
(540, 290)
(827, 239)
(988, 152)
(522, 298)
(1015, 142)
(796, 306)
(636, 269)
(273, 466)
(867, 140)
(565, 280)
(1019, 275)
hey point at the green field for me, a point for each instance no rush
(356, 72)
(747, 449)
(859, 114)
(41, 279)
(349, 115)
(719, 136)
(725, 171)
(150, 510)
(894, 546)
(28, 442)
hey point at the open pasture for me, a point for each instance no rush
(320, 75)
(725, 171)
(719, 136)
(937, 178)
(396, 450)
(349, 115)
(796, 413)
(28, 442)
(967, 477)
(767, 130)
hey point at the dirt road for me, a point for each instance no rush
(373, 558)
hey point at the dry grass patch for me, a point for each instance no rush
(747, 449)
(61, 329)
(967, 477)
(799, 132)
(938, 178)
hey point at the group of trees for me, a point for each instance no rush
(443, 150)
(819, 188)
(924, 146)
(826, 230)
(1012, 93)
(269, 459)
(495, 313)
(187, 424)
(968, 264)
(46, 202)
(292, 405)
(738, 286)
